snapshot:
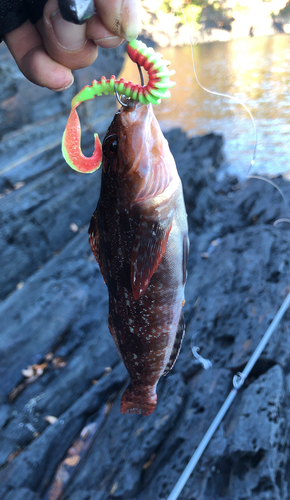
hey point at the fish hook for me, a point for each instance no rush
(118, 97)
(141, 75)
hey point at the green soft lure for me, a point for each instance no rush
(156, 89)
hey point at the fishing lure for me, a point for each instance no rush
(138, 232)
(156, 89)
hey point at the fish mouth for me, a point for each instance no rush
(135, 117)
(130, 105)
(127, 102)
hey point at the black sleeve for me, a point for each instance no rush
(35, 9)
(13, 13)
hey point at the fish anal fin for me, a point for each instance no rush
(148, 249)
(94, 240)
(177, 344)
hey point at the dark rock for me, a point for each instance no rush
(33, 226)
(255, 430)
(21, 494)
(56, 322)
(36, 464)
(130, 436)
(5, 412)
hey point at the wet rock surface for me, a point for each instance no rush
(61, 432)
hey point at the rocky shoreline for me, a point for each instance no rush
(61, 432)
(218, 21)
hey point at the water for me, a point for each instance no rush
(256, 70)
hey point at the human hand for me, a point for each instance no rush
(47, 52)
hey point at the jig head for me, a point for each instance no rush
(153, 92)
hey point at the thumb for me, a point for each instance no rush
(65, 42)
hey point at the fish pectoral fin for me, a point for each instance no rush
(148, 249)
(185, 256)
(177, 344)
(94, 240)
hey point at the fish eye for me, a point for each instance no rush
(113, 146)
(110, 146)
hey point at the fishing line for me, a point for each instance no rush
(279, 221)
(205, 363)
(260, 177)
(219, 94)
(238, 101)
(238, 381)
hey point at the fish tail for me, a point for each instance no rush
(140, 399)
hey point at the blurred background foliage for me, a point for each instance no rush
(220, 13)
(211, 20)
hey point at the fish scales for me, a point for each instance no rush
(138, 234)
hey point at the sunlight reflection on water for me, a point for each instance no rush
(255, 70)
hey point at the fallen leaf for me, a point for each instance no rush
(18, 389)
(139, 431)
(18, 185)
(87, 430)
(247, 344)
(58, 362)
(50, 419)
(28, 373)
(39, 369)
(108, 408)
(72, 461)
(150, 462)
(73, 227)
(113, 489)
(13, 455)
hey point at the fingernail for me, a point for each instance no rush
(70, 36)
(109, 42)
(66, 86)
(131, 19)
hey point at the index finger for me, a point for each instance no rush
(121, 17)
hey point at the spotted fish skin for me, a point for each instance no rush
(138, 234)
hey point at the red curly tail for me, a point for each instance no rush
(140, 399)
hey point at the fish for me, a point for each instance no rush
(139, 236)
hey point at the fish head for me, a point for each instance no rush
(135, 150)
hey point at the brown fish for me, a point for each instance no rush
(138, 234)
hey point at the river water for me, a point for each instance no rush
(256, 70)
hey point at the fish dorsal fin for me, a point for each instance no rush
(177, 344)
(148, 249)
(94, 240)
